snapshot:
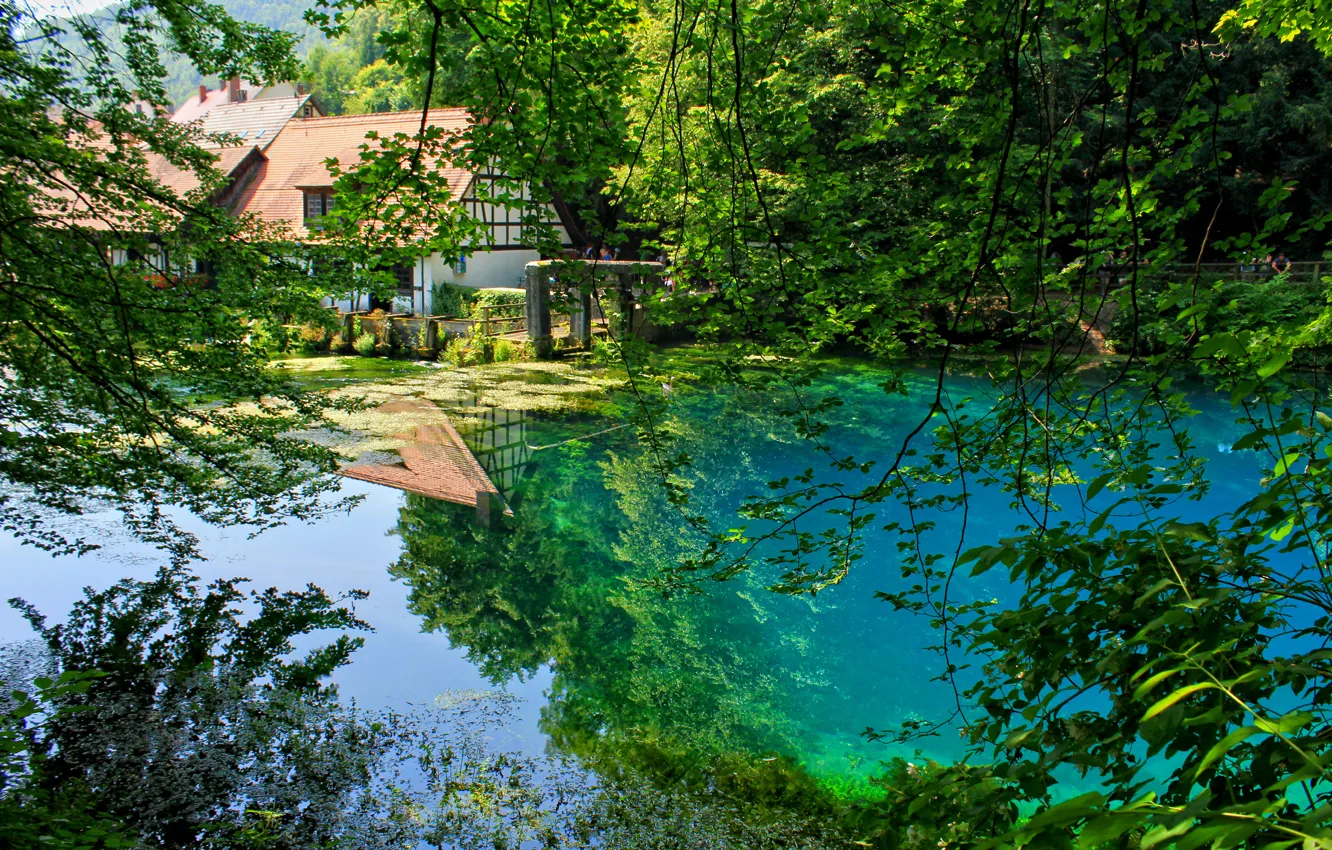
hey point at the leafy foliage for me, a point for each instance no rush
(899, 179)
(115, 349)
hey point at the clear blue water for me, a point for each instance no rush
(548, 606)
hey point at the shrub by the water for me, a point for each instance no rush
(468, 351)
(365, 344)
(447, 299)
(314, 339)
(1229, 306)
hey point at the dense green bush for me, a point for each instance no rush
(466, 351)
(498, 297)
(314, 339)
(447, 299)
(1227, 306)
(365, 344)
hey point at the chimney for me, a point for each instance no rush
(203, 92)
(233, 90)
(300, 89)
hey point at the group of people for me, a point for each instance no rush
(606, 253)
(1268, 265)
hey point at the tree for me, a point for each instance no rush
(119, 376)
(981, 175)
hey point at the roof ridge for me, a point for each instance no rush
(399, 112)
(262, 101)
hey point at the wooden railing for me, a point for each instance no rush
(1302, 272)
(500, 319)
(1113, 276)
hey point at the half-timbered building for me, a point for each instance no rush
(296, 188)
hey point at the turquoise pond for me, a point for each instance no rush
(548, 606)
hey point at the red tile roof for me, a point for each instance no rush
(437, 463)
(296, 158)
(182, 181)
(63, 206)
(194, 108)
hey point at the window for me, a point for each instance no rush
(318, 203)
(308, 111)
(403, 275)
(242, 96)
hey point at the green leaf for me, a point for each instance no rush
(1285, 462)
(1286, 723)
(1274, 364)
(1159, 834)
(1146, 687)
(1283, 531)
(1106, 828)
(1184, 692)
(1098, 484)
(1223, 746)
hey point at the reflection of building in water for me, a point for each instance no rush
(498, 438)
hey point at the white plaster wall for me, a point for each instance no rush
(277, 90)
(485, 270)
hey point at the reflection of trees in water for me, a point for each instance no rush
(673, 682)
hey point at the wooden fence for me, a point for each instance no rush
(1302, 272)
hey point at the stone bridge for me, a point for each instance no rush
(631, 278)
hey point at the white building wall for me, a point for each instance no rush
(484, 270)
(276, 90)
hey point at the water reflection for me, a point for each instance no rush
(689, 684)
(498, 438)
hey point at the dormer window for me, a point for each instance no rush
(318, 203)
(307, 111)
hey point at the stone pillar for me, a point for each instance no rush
(538, 310)
(580, 320)
(624, 284)
(489, 509)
